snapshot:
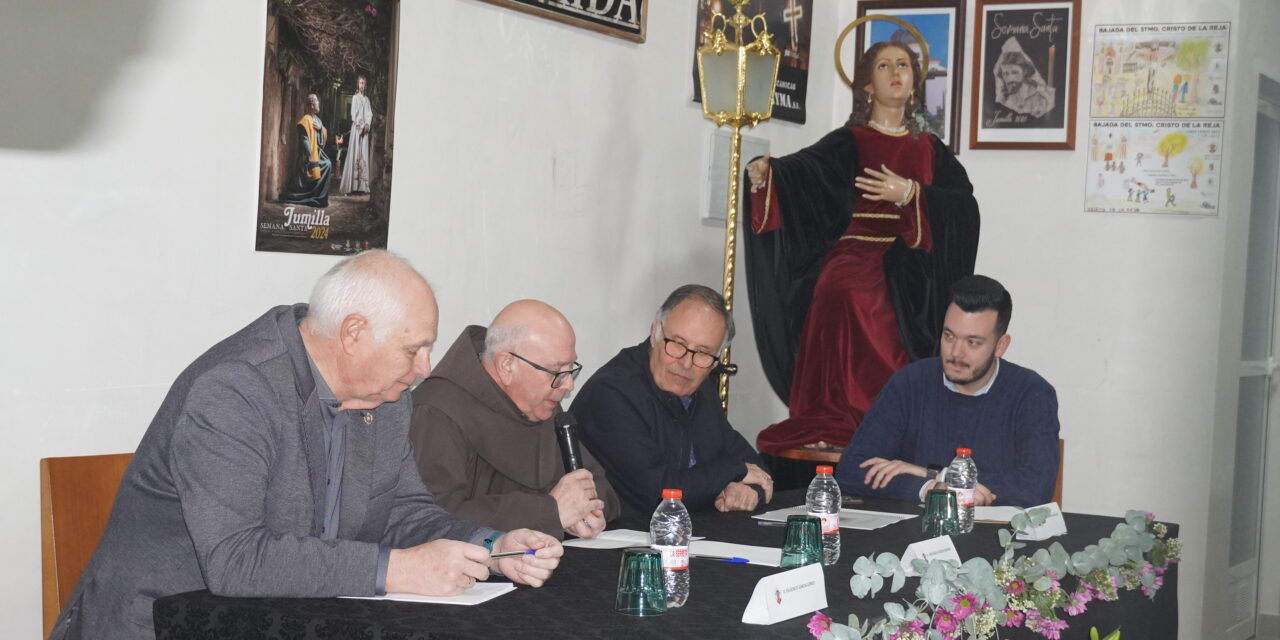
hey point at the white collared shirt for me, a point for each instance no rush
(983, 391)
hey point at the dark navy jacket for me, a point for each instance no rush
(643, 436)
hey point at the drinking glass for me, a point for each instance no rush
(640, 588)
(941, 516)
(802, 543)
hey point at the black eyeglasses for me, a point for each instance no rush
(677, 351)
(557, 377)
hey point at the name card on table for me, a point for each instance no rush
(939, 548)
(1054, 525)
(785, 595)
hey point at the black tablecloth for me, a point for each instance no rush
(578, 600)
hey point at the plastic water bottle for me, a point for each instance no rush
(823, 503)
(671, 529)
(962, 478)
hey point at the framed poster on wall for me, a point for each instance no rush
(622, 18)
(1025, 64)
(941, 24)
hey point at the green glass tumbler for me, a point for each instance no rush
(640, 588)
(802, 543)
(941, 515)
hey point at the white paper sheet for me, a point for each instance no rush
(480, 592)
(612, 539)
(615, 539)
(849, 518)
(995, 514)
(767, 556)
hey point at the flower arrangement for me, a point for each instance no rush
(970, 600)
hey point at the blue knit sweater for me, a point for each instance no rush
(1012, 430)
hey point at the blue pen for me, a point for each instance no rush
(507, 554)
(731, 560)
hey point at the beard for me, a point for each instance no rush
(978, 373)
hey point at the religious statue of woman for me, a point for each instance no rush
(854, 244)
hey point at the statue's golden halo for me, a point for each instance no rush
(924, 46)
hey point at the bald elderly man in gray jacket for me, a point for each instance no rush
(279, 465)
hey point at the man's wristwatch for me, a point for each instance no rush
(936, 474)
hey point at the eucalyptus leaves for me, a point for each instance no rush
(970, 600)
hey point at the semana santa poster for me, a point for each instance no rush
(327, 126)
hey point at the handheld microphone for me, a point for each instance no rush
(568, 439)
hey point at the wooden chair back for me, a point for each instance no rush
(829, 455)
(76, 494)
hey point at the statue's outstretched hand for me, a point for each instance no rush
(758, 172)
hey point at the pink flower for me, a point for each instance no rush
(1053, 579)
(371, 10)
(1150, 516)
(945, 621)
(1099, 593)
(819, 623)
(1014, 620)
(1077, 602)
(914, 628)
(1015, 587)
(1150, 592)
(1051, 629)
(965, 605)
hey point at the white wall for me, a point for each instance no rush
(536, 160)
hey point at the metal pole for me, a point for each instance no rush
(731, 209)
(730, 248)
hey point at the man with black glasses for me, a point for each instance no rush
(652, 414)
(483, 428)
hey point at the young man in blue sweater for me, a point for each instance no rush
(967, 396)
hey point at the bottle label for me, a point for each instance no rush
(964, 497)
(673, 557)
(830, 521)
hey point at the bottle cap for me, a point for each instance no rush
(825, 468)
(964, 451)
(672, 494)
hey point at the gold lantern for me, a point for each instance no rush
(737, 80)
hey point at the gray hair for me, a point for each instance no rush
(705, 295)
(498, 339)
(361, 284)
